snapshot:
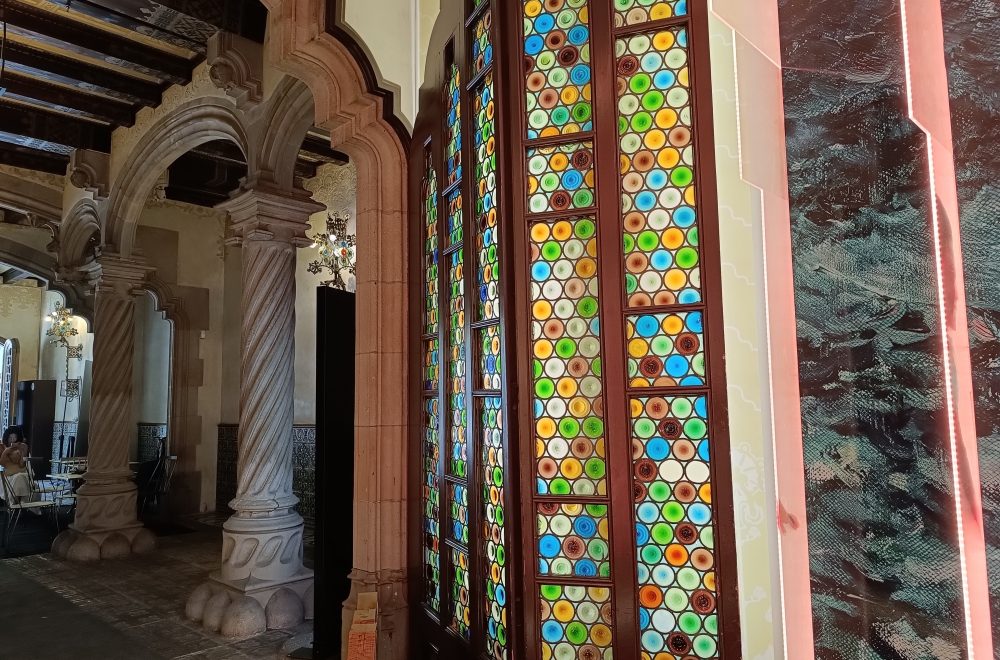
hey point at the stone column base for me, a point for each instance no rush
(392, 625)
(248, 607)
(92, 545)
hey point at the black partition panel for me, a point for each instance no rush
(334, 464)
(35, 414)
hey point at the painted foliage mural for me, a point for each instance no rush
(971, 49)
(883, 553)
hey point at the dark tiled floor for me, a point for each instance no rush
(137, 602)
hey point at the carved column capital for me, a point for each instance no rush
(121, 275)
(270, 213)
(236, 65)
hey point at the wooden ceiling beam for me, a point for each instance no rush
(54, 127)
(124, 14)
(319, 149)
(15, 155)
(84, 38)
(114, 112)
(145, 93)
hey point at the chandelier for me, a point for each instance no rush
(336, 251)
(62, 325)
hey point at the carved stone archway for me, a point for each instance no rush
(358, 115)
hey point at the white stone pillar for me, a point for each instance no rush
(262, 582)
(106, 524)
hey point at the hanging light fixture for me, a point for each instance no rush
(336, 250)
(62, 325)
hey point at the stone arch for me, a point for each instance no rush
(306, 43)
(187, 126)
(44, 267)
(289, 115)
(77, 234)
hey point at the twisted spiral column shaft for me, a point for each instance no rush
(267, 379)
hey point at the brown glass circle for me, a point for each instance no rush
(583, 448)
(702, 559)
(657, 407)
(622, 86)
(685, 492)
(703, 602)
(645, 469)
(664, 298)
(687, 343)
(628, 65)
(555, 39)
(536, 81)
(578, 367)
(568, 55)
(684, 450)
(639, 300)
(679, 136)
(549, 98)
(534, 252)
(632, 182)
(671, 428)
(643, 161)
(686, 533)
(528, 63)
(607, 613)
(582, 159)
(651, 366)
(547, 468)
(560, 200)
(638, 491)
(550, 5)
(548, 508)
(553, 329)
(574, 547)
(678, 643)
(636, 262)
(588, 652)
(575, 287)
(597, 405)
(634, 222)
(546, 609)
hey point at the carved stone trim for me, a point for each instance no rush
(236, 65)
(90, 170)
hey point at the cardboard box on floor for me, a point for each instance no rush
(361, 642)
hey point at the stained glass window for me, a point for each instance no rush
(484, 135)
(457, 465)
(633, 12)
(453, 150)
(561, 178)
(482, 43)
(576, 621)
(494, 525)
(557, 60)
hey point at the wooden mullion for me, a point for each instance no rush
(611, 269)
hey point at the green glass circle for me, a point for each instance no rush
(587, 306)
(641, 122)
(631, 283)
(698, 364)
(595, 367)
(662, 533)
(687, 258)
(708, 538)
(550, 182)
(593, 427)
(695, 428)
(688, 578)
(681, 176)
(689, 622)
(681, 407)
(560, 116)
(565, 348)
(652, 100)
(648, 240)
(569, 427)
(584, 229)
(651, 554)
(661, 345)
(537, 368)
(594, 468)
(659, 491)
(597, 549)
(628, 242)
(597, 510)
(693, 236)
(583, 198)
(675, 599)
(645, 428)
(538, 119)
(559, 487)
(576, 632)
(712, 624)
(544, 387)
(551, 250)
(640, 82)
(581, 112)
(622, 125)
(551, 591)
(704, 646)
(673, 511)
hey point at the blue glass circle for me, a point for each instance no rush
(661, 260)
(689, 297)
(641, 534)
(533, 45)
(585, 526)
(500, 593)
(664, 79)
(656, 179)
(643, 617)
(645, 200)
(548, 545)
(652, 641)
(703, 451)
(585, 568)
(691, 381)
(544, 23)
(552, 632)
(699, 514)
(677, 366)
(543, 488)
(572, 179)
(539, 408)
(580, 74)
(647, 326)
(578, 35)
(657, 449)
(648, 512)
(701, 406)
(684, 216)
(540, 271)
(693, 322)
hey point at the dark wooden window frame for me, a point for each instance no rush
(430, 637)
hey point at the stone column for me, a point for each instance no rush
(262, 582)
(106, 524)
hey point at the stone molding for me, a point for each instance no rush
(90, 171)
(269, 213)
(236, 65)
